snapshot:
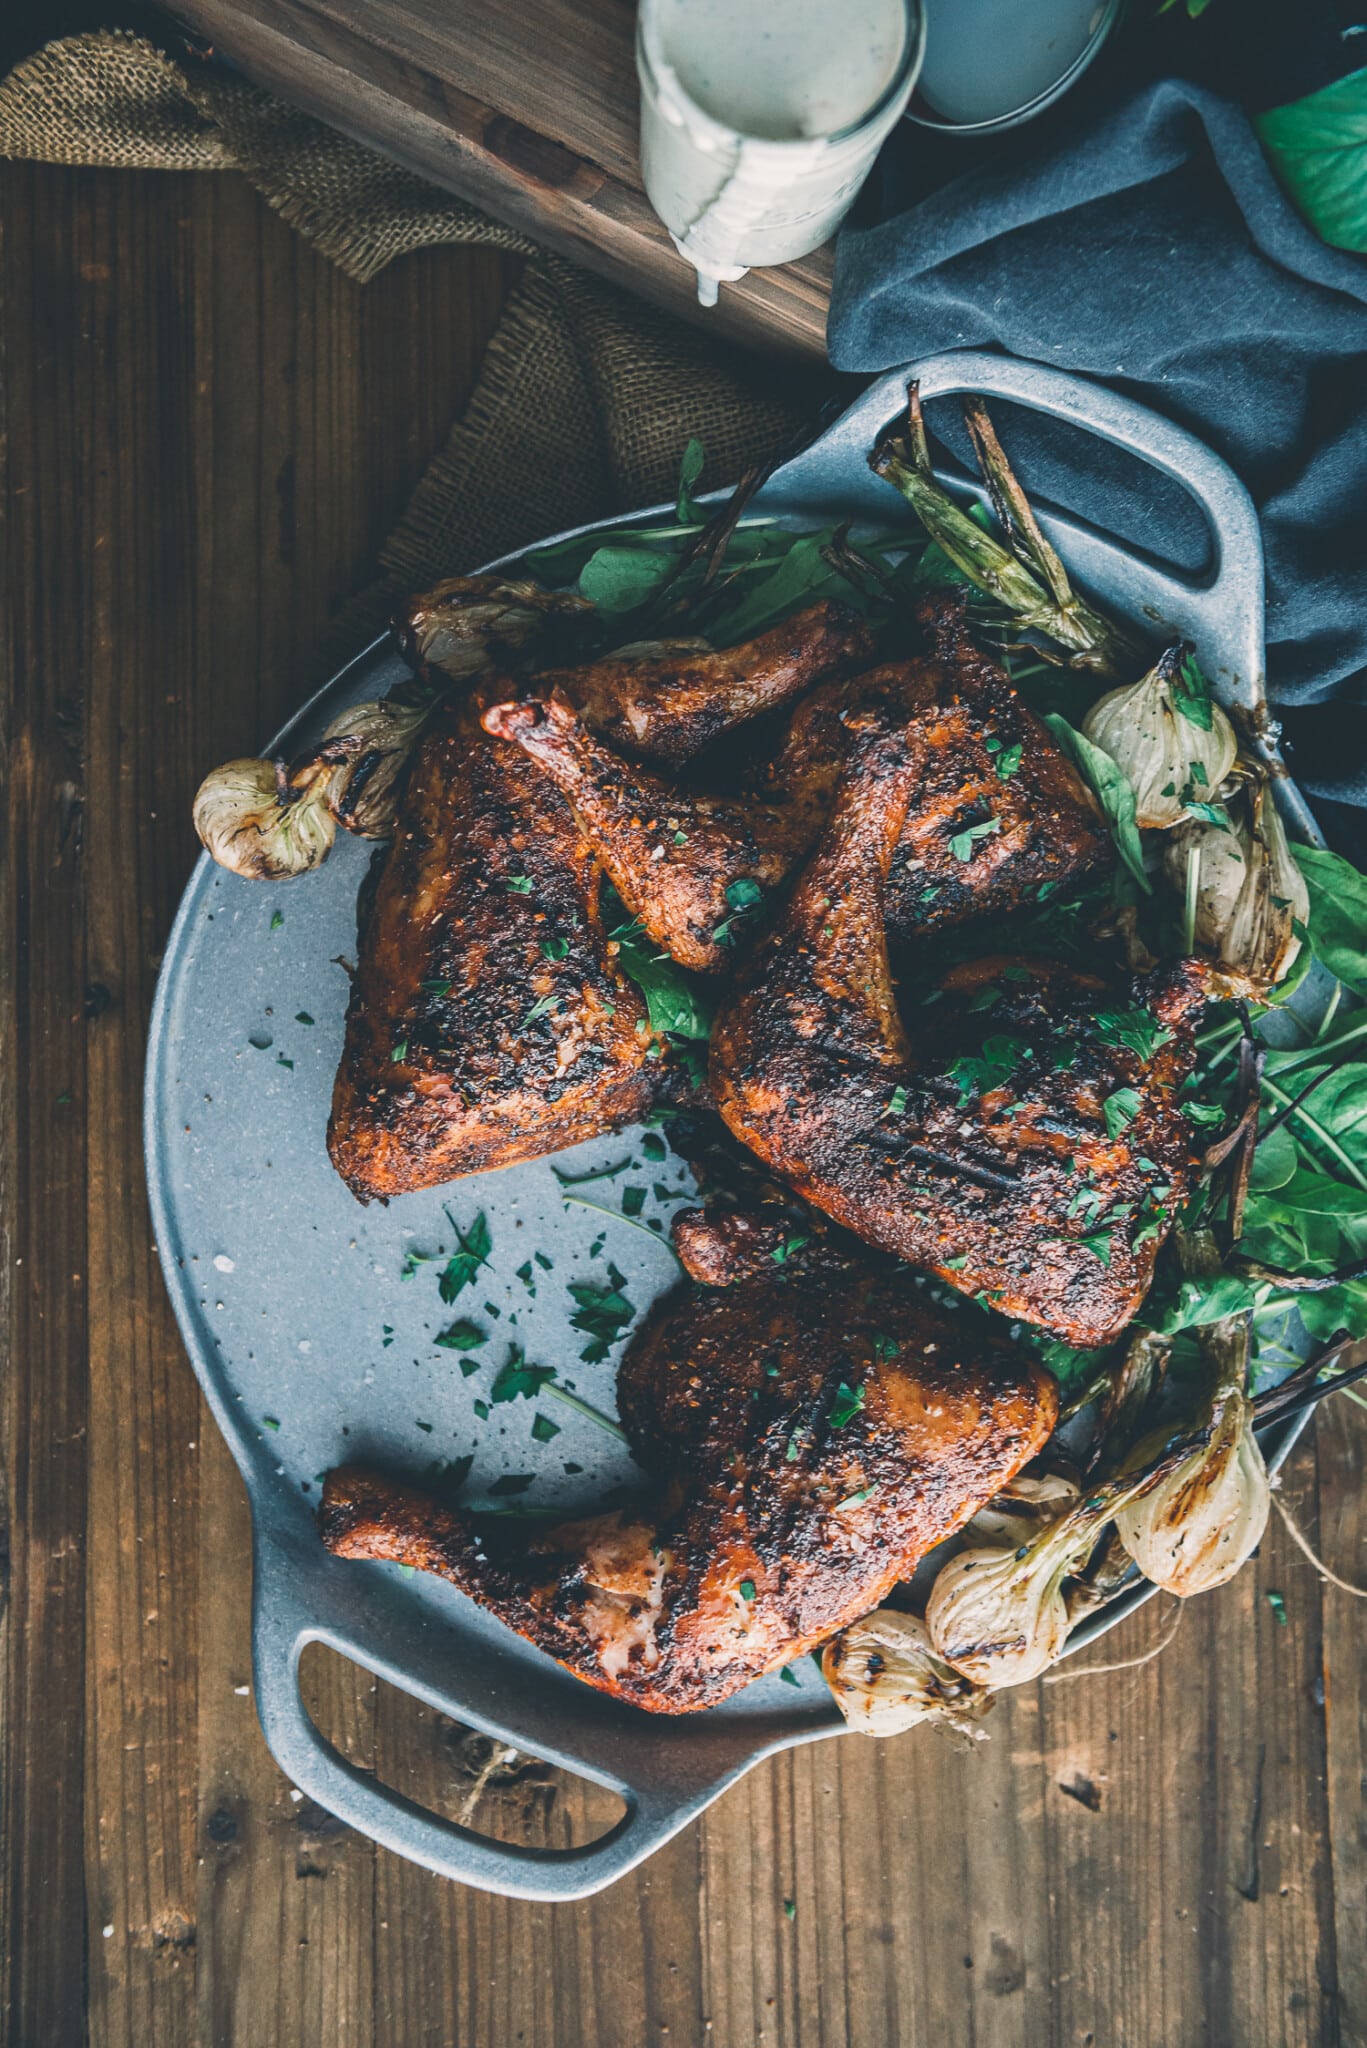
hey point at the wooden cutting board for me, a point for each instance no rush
(527, 108)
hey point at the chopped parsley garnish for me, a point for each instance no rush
(425, 1427)
(744, 893)
(885, 1347)
(1139, 1031)
(1008, 761)
(281, 1061)
(980, 1074)
(436, 988)
(1191, 694)
(543, 1429)
(955, 1265)
(855, 1500)
(271, 1421)
(400, 1051)
(896, 1103)
(602, 1313)
(302, 1017)
(962, 843)
(741, 895)
(513, 1482)
(482, 1410)
(747, 1589)
(1119, 1109)
(462, 1336)
(277, 920)
(789, 1677)
(786, 1248)
(519, 1381)
(653, 1146)
(633, 1200)
(461, 1268)
(542, 1009)
(519, 885)
(555, 949)
(1099, 1245)
(846, 1405)
(546, 1265)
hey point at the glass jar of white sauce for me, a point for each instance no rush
(760, 119)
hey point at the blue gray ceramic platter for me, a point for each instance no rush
(311, 1320)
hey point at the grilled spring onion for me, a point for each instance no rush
(1025, 576)
(1199, 1524)
(1167, 734)
(1245, 894)
(885, 1676)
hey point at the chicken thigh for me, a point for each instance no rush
(1027, 1142)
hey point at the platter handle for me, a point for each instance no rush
(292, 1587)
(1221, 611)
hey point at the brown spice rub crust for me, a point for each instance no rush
(469, 1045)
(811, 1438)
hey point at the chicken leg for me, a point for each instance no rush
(810, 1439)
(687, 866)
(488, 1022)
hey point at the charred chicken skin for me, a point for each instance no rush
(1028, 1144)
(992, 783)
(666, 703)
(811, 1437)
(672, 856)
(988, 769)
(487, 1022)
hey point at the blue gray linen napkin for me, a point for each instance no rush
(1154, 249)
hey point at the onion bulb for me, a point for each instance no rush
(1203, 1519)
(470, 624)
(1023, 1507)
(885, 1676)
(1246, 893)
(260, 822)
(1173, 742)
(999, 1615)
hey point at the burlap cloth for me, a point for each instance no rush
(585, 397)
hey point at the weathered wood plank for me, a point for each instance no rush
(43, 1033)
(1342, 1691)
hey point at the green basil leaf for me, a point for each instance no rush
(1112, 787)
(1318, 147)
(619, 579)
(1275, 1160)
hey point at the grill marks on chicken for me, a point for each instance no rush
(986, 1151)
(811, 1437)
(487, 1023)
(1000, 811)
(665, 703)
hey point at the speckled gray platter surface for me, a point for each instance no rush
(312, 1321)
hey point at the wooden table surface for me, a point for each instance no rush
(208, 433)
